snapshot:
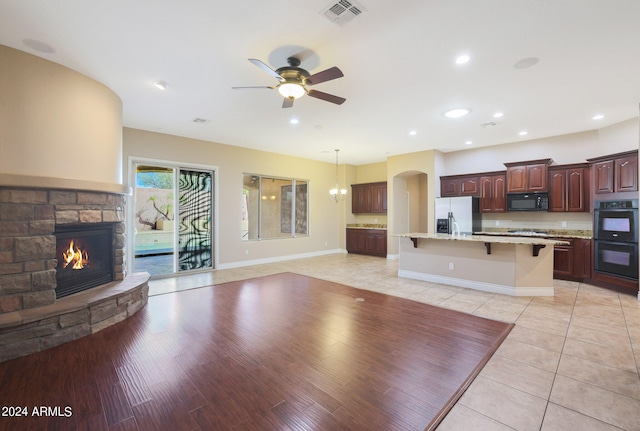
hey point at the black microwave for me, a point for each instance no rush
(528, 201)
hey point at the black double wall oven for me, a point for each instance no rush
(616, 238)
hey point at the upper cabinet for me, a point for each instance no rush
(490, 187)
(449, 187)
(370, 198)
(460, 185)
(524, 177)
(626, 173)
(568, 188)
(615, 173)
(493, 193)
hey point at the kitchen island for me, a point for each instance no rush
(518, 266)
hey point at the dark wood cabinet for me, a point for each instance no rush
(568, 188)
(537, 177)
(460, 185)
(493, 193)
(379, 198)
(616, 173)
(524, 177)
(517, 179)
(370, 198)
(626, 174)
(470, 186)
(584, 259)
(573, 261)
(367, 241)
(449, 187)
(357, 240)
(603, 176)
(563, 260)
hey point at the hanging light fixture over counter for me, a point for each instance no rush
(337, 194)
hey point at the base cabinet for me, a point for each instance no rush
(367, 241)
(573, 261)
(563, 261)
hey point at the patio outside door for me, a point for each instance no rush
(173, 219)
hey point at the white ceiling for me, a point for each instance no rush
(398, 58)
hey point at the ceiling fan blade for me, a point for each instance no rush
(287, 102)
(325, 75)
(327, 97)
(266, 68)
(244, 88)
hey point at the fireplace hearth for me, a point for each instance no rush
(85, 256)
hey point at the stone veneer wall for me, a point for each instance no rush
(31, 319)
(28, 218)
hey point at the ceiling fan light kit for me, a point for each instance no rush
(294, 81)
(291, 90)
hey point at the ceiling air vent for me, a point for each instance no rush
(342, 12)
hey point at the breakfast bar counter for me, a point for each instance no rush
(518, 266)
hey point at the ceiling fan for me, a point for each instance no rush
(294, 81)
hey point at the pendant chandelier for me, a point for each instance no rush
(337, 194)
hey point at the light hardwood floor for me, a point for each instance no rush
(278, 352)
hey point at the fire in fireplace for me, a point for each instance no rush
(85, 256)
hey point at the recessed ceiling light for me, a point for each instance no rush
(462, 59)
(294, 121)
(413, 133)
(523, 133)
(598, 117)
(498, 115)
(161, 85)
(468, 143)
(457, 113)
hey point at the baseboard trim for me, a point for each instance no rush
(277, 259)
(478, 285)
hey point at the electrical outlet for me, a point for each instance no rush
(451, 266)
(497, 222)
(564, 224)
(326, 243)
(246, 252)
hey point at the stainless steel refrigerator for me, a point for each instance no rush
(458, 215)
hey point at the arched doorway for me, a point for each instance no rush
(410, 202)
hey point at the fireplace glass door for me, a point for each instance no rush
(173, 215)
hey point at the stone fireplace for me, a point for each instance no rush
(34, 224)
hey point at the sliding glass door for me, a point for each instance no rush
(173, 208)
(195, 204)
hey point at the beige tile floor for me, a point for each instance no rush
(571, 362)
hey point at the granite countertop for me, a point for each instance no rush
(485, 238)
(367, 226)
(541, 233)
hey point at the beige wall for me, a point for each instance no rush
(371, 173)
(572, 148)
(326, 219)
(400, 171)
(55, 122)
